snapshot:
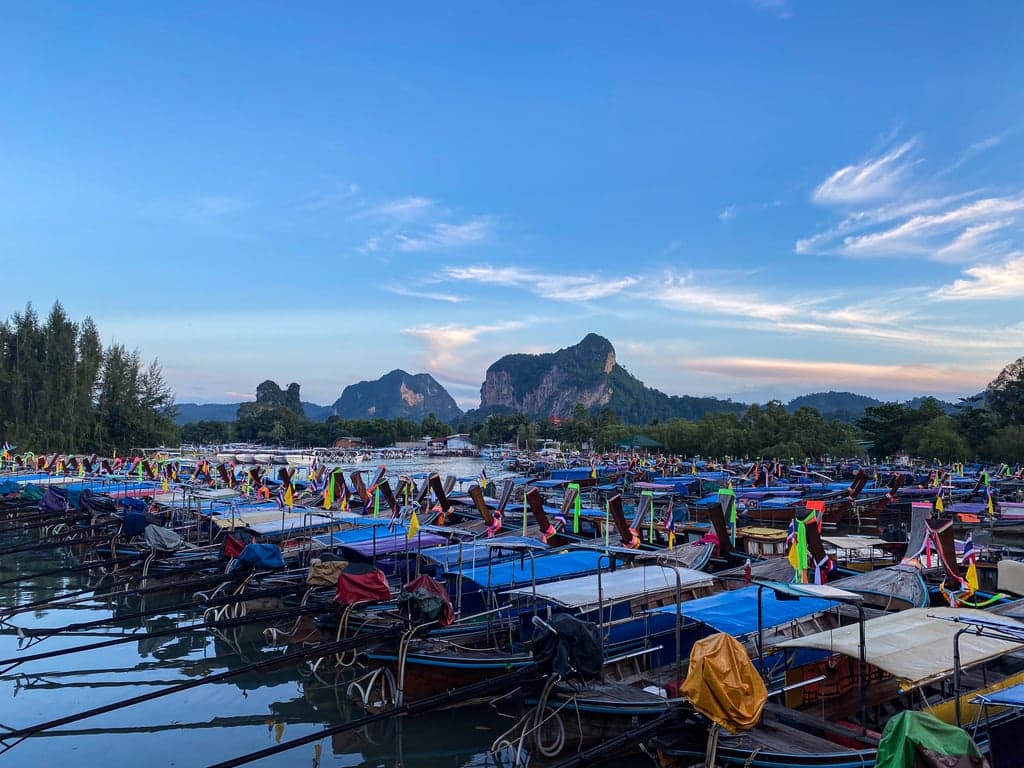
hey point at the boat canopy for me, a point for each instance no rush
(1008, 697)
(854, 542)
(915, 646)
(548, 567)
(477, 552)
(735, 612)
(386, 542)
(615, 586)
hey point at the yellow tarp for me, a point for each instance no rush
(723, 685)
(772, 534)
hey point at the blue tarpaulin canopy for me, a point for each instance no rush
(1008, 697)
(476, 553)
(559, 565)
(779, 502)
(736, 612)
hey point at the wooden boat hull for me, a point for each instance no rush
(429, 674)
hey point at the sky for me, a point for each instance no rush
(750, 198)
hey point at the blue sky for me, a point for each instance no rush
(752, 198)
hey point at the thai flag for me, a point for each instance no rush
(791, 532)
(970, 555)
(279, 499)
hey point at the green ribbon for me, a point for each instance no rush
(730, 512)
(575, 507)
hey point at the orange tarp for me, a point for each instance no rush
(723, 685)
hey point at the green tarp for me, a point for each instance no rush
(914, 739)
(639, 441)
(32, 493)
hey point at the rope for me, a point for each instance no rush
(342, 659)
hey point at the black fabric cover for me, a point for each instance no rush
(96, 503)
(574, 649)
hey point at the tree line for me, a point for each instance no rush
(62, 390)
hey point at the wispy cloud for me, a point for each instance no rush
(403, 207)
(974, 240)
(892, 319)
(871, 179)
(370, 245)
(931, 234)
(445, 236)
(451, 298)
(728, 213)
(973, 151)
(446, 343)
(686, 292)
(988, 281)
(829, 239)
(559, 287)
(218, 205)
(925, 377)
(342, 193)
(780, 9)
(961, 226)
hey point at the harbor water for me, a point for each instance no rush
(207, 723)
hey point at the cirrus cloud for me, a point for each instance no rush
(871, 179)
(558, 287)
(965, 226)
(988, 281)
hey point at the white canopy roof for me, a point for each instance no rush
(915, 646)
(854, 542)
(623, 584)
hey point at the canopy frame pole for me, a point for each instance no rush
(863, 671)
(760, 633)
(957, 672)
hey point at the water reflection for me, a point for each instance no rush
(211, 722)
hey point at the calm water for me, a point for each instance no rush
(212, 722)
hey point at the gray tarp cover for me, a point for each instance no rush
(162, 539)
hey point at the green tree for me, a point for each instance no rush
(887, 426)
(938, 438)
(1005, 394)
(1004, 444)
(434, 427)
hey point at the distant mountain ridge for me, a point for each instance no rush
(587, 373)
(397, 394)
(189, 413)
(538, 385)
(849, 406)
